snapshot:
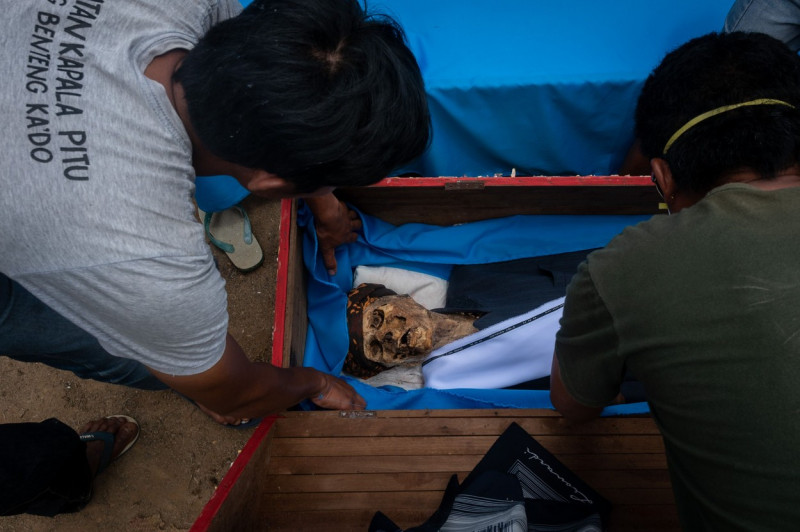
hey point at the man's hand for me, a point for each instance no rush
(336, 394)
(335, 224)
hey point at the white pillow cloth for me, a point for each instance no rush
(427, 290)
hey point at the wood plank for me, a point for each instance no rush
(374, 482)
(474, 425)
(643, 517)
(425, 500)
(442, 206)
(391, 501)
(322, 465)
(519, 413)
(336, 520)
(624, 519)
(443, 445)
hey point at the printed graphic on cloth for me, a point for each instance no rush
(517, 486)
(555, 497)
(492, 503)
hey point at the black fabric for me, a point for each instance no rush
(489, 487)
(492, 502)
(544, 480)
(518, 468)
(502, 290)
(381, 523)
(43, 469)
(542, 383)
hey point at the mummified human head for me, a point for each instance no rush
(389, 330)
(386, 330)
(397, 330)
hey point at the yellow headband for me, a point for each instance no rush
(699, 118)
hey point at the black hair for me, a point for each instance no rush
(317, 92)
(712, 71)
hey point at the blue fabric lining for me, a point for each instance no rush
(434, 249)
(217, 193)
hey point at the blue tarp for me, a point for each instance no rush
(435, 249)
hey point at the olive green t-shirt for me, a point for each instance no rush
(703, 307)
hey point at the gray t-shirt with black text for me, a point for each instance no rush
(96, 205)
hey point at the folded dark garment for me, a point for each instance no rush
(517, 485)
(501, 290)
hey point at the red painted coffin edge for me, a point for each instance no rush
(528, 181)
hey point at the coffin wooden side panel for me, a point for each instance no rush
(333, 471)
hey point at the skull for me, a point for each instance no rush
(397, 330)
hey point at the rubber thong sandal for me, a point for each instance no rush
(250, 423)
(230, 231)
(108, 443)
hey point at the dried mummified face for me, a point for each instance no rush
(397, 330)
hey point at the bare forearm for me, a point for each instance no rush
(264, 389)
(239, 388)
(322, 206)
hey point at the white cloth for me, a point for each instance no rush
(427, 290)
(405, 377)
(510, 352)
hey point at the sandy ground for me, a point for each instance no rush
(166, 479)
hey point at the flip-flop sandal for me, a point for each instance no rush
(246, 424)
(230, 231)
(108, 443)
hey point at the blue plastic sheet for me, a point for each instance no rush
(217, 193)
(544, 87)
(435, 249)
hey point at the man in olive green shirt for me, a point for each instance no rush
(702, 306)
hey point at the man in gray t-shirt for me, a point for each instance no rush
(111, 110)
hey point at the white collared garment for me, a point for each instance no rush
(511, 352)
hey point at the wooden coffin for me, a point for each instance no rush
(333, 470)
